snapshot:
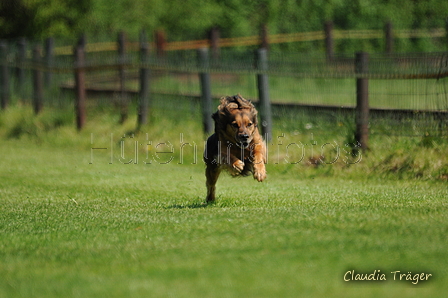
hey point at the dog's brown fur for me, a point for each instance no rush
(236, 144)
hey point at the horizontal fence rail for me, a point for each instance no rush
(396, 66)
(108, 67)
(273, 39)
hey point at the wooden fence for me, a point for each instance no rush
(328, 34)
(43, 67)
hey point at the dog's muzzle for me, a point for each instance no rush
(243, 141)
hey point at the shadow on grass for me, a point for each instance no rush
(194, 205)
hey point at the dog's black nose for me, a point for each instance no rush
(244, 136)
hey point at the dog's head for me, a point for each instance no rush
(236, 120)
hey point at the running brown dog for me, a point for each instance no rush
(236, 144)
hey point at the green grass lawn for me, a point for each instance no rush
(74, 229)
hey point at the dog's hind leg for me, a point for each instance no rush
(211, 173)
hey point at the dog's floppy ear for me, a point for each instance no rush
(224, 110)
(253, 111)
(219, 123)
(255, 118)
(247, 105)
(226, 105)
(236, 102)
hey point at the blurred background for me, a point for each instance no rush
(191, 20)
(311, 67)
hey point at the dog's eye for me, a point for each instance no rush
(249, 124)
(234, 124)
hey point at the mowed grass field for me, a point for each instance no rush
(73, 228)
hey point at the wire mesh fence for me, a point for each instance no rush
(407, 92)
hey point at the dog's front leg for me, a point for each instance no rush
(228, 158)
(259, 159)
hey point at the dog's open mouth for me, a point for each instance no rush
(243, 145)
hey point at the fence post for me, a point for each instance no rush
(329, 42)
(446, 31)
(263, 93)
(80, 89)
(389, 38)
(206, 91)
(264, 37)
(49, 57)
(123, 101)
(37, 81)
(160, 43)
(214, 36)
(362, 99)
(143, 105)
(20, 70)
(4, 74)
(82, 41)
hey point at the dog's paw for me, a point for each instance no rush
(260, 173)
(237, 167)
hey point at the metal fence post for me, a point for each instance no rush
(4, 75)
(144, 81)
(263, 93)
(362, 99)
(80, 89)
(206, 91)
(37, 81)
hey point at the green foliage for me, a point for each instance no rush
(184, 20)
(20, 121)
(38, 19)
